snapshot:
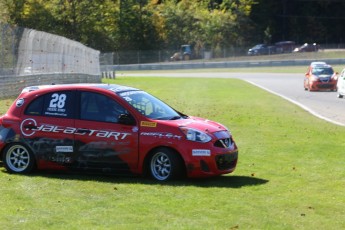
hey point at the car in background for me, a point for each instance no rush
(341, 84)
(108, 128)
(320, 76)
(284, 47)
(261, 49)
(185, 54)
(307, 48)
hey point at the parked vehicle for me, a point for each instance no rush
(307, 48)
(285, 46)
(320, 76)
(185, 54)
(113, 129)
(261, 49)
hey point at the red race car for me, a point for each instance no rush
(320, 76)
(110, 129)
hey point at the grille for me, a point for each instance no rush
(326, 79)
(325, 86)
(223, 143)
(226, 161)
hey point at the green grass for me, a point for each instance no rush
(290, 173)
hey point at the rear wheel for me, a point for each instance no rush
(18, 159)
(165, 164)
(339, 95)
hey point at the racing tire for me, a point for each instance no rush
(18, 159)
(165, 165)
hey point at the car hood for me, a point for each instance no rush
(201, 124)
(323, 76)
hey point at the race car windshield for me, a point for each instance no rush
(150, 106)
(323, 71)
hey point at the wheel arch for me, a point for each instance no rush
(29, 149)
(146, 161)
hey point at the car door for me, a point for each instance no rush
(101, 142)
(47, 127)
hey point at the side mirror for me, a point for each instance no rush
(126, 119)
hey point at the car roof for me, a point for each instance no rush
(319, 64)
(111, 87)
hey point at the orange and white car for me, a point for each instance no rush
(320, 76)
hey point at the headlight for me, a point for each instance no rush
(314, 78)
(195, 135)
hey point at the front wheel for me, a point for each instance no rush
(18, 159)
(165, 165)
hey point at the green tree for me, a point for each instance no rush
(110, 25)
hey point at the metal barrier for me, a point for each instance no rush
(223, 64)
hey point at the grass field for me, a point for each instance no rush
(290, 173)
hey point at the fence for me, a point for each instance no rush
(164, 56)
(156, 56)
(33, 57)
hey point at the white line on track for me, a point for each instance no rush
(297, 103)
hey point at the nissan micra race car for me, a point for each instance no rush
(320, 76)
(110, 129)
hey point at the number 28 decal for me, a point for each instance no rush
(58, 101)
(57, 104)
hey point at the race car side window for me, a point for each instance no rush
(35, 107)
(98, 107)
(56, 104)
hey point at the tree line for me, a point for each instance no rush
(120, 25)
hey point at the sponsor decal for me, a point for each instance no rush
(64, 149)
(61, 158)
(148, 124)
(201, 152)
(29, 127)
(20, 102)
(161, 135)
(119, 89)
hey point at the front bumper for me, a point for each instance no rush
(213, 165)
(319, 85)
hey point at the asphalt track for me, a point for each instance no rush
(324, 105)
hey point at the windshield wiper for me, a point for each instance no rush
(175, 118)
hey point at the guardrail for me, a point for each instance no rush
(109, 70)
